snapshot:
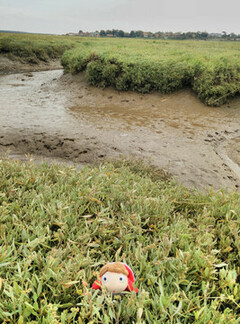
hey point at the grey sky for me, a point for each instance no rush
(62, 16)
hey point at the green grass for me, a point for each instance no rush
(34, 48)
(211, 69)
(59, 226)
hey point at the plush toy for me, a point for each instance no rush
(116, 277)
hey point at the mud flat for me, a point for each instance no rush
(233, 150)
(59, 116)
(229, 151)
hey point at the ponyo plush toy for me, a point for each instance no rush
(116, 277)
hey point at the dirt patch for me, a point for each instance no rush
(79, 150)
(57, 115)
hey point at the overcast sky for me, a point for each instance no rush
(62, 16)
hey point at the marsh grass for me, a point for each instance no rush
(32, 48)
(211, 69)
(59, 226)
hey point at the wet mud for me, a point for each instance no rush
(55, 115)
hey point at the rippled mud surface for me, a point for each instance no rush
(59, 116)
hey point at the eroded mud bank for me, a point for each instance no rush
(19, 66)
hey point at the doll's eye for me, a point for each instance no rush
(105, 278)
(121, 278)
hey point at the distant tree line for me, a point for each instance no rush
(161, 35)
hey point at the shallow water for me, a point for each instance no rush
(56, 115)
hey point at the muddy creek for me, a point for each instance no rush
(49, 114)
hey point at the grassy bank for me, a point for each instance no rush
(59, 226)
(211, 69)
(32, 48)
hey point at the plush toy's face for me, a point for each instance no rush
(114, 282)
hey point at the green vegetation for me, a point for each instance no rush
(34, 48)
(59, 226)
(211, 69)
